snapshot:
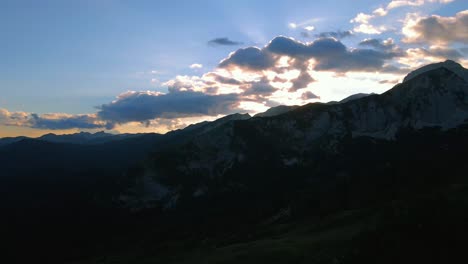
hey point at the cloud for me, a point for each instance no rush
(400, 3)
(309, 95)
(55, 121)
(364, 26)
(306, 25)
(394, 4)
(387, 44)
(223, 79)
(436, 29)
(250, 58)
(223, 42)
(335, 34)
(196, 66)
(184, 83)
(302, 81)
(380, 12)
(395, 81)
(260, 89)
(363, 20)
(328, 53)
(142, 106)
(370, 29)
(417, 57)
(442, 53)
(166, 124)
(8, 118)
(65, 121)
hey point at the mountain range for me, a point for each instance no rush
(374, 178)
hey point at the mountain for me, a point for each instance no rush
(10, 140)
(277, 110)
(354, 97)
(78, 138)
(435, 98)
(376, 179)
(82, 138)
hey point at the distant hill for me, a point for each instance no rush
(83, 138)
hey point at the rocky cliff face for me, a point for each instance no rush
(434, 96)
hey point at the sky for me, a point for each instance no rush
(154, 66)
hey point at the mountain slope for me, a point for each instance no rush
(433, 98)
(277, 110)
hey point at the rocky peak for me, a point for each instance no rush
(448, 65)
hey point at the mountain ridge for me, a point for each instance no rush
(434, 98)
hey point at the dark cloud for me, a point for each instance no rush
(59, 122)
(306, 34)
(389, 81)
(250, 58)
(50, 121)
(143, 106)
(290, 47)
(302, 81)
(309, 95)
(329, 54)
(8, 118)
(224, 80)
(442, 52)
(378, 44)
(355, 60)
(261, 88)
(223, 42)
(335, 34)
(438, 29)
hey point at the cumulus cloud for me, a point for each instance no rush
(364, 26)
(417, 57)
(335, 34)
(55, 121)
(380, 12)
(223, 42)
(363, 20)
(250, 58)
(223, 79)
(400, 3)
(302, 81)
(388, 44)
(143, 106)
(196, 66)
(328, 54)
(259, 89)
(309, 95)
(65, 121)
(8, 118)
(436, 29)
